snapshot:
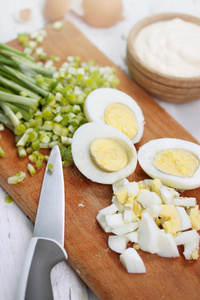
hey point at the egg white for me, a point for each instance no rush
(98, 100)
(147, 152)
(82, 139)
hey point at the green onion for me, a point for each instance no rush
(31, 169)
(2, 153)
(58, 25)
(51, 168)
(1, 127)
(8, 199)
(21, 152)
(17, 178)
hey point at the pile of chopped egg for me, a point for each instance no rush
(154, 218)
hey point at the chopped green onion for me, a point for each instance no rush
(51, 167)
(21, 152)
(31, 169)
(58, 25)
(1, 127)
(2, 153)
(17, 178)
(8, 199)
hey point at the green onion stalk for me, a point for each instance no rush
(42, 104)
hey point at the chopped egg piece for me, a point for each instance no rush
(129, 215)
(191, 249)
(111, 209)
(132, 261)
(133, 236)
(148, 233)
(114, 220)
(108, 154)
(194, 215)
(153, 210)
(117, 243)
(184, 201)
(125, 228)
(137, 208)
(185, 220)
(166, 244)
(121, 195)
(129, 203)
(169, 219)
(133, 188)
(119, 183)
(102, 222)
(148, 198)
(185, 237)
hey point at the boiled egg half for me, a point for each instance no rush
(175, 162)
(117, 109)
(103, 153)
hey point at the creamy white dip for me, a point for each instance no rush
(171, 47)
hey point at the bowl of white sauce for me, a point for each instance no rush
(163, 56)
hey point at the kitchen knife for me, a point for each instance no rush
(46, 247)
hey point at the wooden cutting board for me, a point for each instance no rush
(85, 241)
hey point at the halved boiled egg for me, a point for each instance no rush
(117, 109)
(103, 153)
(175, 162)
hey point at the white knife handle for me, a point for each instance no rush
(42, 255)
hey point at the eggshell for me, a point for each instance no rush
(102, 14)
(55, 9)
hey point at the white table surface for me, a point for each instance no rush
(15, 228)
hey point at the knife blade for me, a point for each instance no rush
(46, 247)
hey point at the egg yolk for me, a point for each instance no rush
(121, 117)
(109, 154)
(176, 162)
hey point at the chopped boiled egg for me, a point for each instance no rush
(140, 214)
(117, 109)
(121, 195)
(175, 162)
(148, 233)
(125, 228)
(148, 198)
(194, 215)
(132, 261)
(133, 236)
(114, 220)
(185, 220)
(169, 219)
(191, 249)
(166, 244)
(117, 243)
(184, 201)
(103, 153)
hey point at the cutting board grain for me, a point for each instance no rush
(85, 241)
